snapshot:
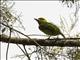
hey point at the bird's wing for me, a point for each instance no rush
(53, 27)
(56, 28)
(49, 28)
(51, 24)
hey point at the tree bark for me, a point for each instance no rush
(71, 42)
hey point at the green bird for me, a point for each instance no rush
(48, 28)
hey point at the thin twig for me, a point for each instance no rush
(8, 45)
(21, 49)
(26, 52)
(20, 33)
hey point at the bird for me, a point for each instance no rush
(48, 28)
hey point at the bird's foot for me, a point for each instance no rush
(48, 37)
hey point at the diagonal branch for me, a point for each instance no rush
(20, 33)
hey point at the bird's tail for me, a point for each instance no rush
(62, 35)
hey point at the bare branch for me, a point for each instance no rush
(71, 42)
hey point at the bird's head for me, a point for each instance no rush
(40, 20)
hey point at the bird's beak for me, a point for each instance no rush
(36, 19)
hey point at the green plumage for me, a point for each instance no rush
(48, 28)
